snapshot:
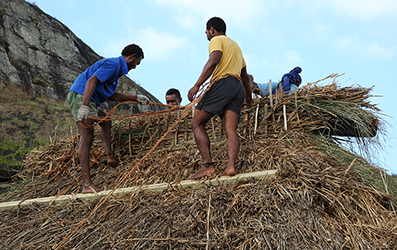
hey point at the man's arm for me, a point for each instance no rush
(128, 98)
(123, 98)
(246, 83)
(208, 69)
(89, 89)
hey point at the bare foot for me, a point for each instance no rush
(112, 161)
(90, 188)
(203, 171)
(229, 171)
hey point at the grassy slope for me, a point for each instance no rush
(27, 122)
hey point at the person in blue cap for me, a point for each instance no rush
(288, 84)
(291, 80)
(91, 88)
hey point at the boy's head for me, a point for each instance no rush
(173, 97)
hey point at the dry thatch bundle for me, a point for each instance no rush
(324, 196)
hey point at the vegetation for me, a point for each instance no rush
(14, 152)
(41, 82)
(17, 65)
(28, 122)
(50, 53)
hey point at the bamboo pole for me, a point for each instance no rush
(256, 118)
(270, 94)
(208, 223)
(265, 120)
(285, 117)
(147, 188)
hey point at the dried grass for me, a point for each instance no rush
(324, 197)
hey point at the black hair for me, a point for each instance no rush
(217, 23)
(132, 49)
(173, 92)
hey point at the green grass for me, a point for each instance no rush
(17, 65)
(50, 53)
(14, 152)
(41, 82)
(28, 122)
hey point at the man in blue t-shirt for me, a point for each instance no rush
(91, 88)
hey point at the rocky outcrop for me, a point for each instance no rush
(42, 54)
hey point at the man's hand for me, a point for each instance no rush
(192, 92)
(83, 113)
(143, 99)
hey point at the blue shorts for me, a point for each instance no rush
(226, 94)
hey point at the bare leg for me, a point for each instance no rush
(85, 143)
(200, 118)
(230, 121)
(106, 134)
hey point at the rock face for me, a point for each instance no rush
(44, 56)
(41, 53)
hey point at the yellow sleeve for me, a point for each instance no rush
(215, 45)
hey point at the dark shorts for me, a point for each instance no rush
(226, 94)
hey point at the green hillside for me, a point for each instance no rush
(28, 122)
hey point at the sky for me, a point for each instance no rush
(357, 38)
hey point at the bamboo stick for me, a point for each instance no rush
(285, 117)
(147, 188)
(256, 118)
(265, 120)
(270, 94)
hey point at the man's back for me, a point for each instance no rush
(232, 60)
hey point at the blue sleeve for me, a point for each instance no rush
(106, 71)
(286, 84)
(265, 88)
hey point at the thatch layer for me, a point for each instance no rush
(314, 203)
(323, 198)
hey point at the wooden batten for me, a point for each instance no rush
(150, 188)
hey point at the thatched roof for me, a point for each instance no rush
(323, 197)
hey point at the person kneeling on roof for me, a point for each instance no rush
(289, 83)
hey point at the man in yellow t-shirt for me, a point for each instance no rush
(230, 86)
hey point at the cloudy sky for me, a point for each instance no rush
(354, 37)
